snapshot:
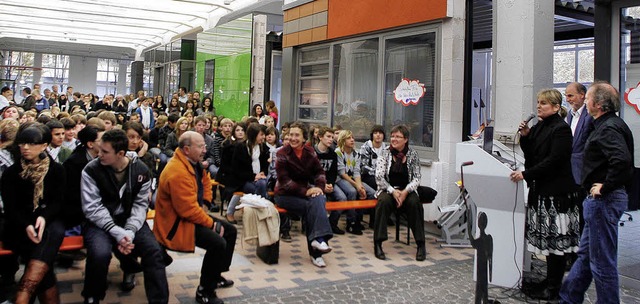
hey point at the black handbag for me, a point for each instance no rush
(426, 194)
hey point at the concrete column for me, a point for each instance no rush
(137, 71)
(523, 60)
(258, 59)
(37, 74)
(121, 86)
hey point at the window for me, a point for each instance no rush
(355, 86)
(573, 61)
(313, 93)
(55, 70)
(22, 77)
(107, 77)
(351, 84)
(414, 58)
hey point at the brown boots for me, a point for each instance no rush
(33, 274)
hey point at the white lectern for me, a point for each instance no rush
(503, 201)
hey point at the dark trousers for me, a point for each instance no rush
(219, 252)
(100, 245)
(411, 206)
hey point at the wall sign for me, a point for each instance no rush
(632, 97)
(408, 92)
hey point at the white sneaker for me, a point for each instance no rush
(319, 262)
(322, 247)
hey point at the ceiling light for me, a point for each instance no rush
(227, 2)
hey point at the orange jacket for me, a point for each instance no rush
(177, 209)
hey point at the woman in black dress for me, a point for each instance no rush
(552, 219)
(31, 192)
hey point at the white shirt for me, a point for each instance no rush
(576, 118)
(146, 116)
(255, 159)
(54, 152)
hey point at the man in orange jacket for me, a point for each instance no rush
(181, 223)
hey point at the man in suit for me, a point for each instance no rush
(581, 125)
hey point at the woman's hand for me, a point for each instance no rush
(523, 128)
(35, 232)
(400, 196)
(516, 176)
(328, 188)
(313, 192)
(361, 191)
(595, 189)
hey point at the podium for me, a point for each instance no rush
(503, 201)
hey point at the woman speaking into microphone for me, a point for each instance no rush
(552, 217)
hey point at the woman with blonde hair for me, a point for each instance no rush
(33, 202)
(349, 180)
(182, 125)
(552, 219)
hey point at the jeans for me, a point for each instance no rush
(598, 251)
(100, 245)
(314, 216)
(219, 253)
(350, 193)
(256, 187)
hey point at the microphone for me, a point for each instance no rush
(528, 120)
(467, 163)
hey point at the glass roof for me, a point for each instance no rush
(136, 24)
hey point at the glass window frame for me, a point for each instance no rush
(427, 153)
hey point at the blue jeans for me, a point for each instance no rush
(314, 216)
(598, 251)
(100, 245)
(351, 194)
(256, 187)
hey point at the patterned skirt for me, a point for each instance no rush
(553, 223)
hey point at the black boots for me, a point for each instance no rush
(354, 228)
(421, 255)
(377, 248)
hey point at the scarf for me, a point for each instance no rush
(35, 173)
(398, 156)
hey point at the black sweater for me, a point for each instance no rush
(608, 154)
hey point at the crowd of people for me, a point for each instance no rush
(75, 164)
(118, 156)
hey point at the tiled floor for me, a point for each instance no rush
(352, 258)
(353, 274)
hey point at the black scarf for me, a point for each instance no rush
(398, 156)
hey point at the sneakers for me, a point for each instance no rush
(286, 237)
(318, 262)
(204, 297)
(322, 247)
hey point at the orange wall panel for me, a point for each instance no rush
(353, 17)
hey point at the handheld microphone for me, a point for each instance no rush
(528, 120)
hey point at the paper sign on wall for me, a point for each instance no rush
(632, 97)
(408, 92)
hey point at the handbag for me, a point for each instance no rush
(426, 194)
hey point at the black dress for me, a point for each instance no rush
(552, 219)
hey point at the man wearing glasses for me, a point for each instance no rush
(181, 223)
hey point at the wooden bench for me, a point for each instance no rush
(74, 242)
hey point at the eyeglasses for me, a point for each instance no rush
(397, 137)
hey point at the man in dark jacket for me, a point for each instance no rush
(115, 196)
(607, 172)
